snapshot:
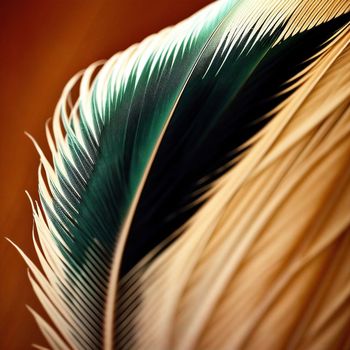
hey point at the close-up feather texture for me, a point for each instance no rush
(197, 194)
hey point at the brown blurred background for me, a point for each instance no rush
(43, 43)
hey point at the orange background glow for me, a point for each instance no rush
(43, 43)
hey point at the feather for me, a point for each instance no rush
(175, 170)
